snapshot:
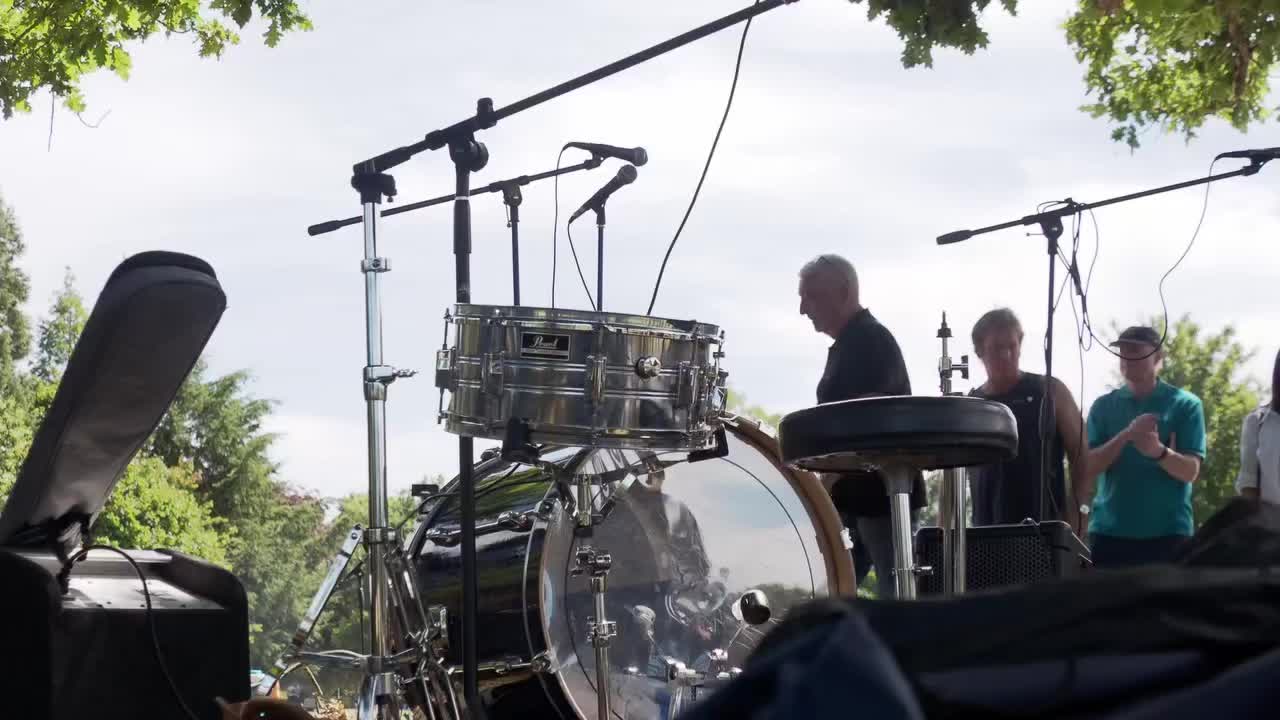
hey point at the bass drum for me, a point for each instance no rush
(692, 544)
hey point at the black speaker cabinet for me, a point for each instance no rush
(89, 652)
(1004, 555)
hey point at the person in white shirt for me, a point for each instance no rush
(1259, 476)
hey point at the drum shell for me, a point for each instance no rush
(541, 366)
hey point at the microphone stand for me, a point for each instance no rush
(510, 189)
(469, 156)
(1050, 223)
(512, 198)
(599, 255)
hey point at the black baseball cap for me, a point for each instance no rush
(1138, 334)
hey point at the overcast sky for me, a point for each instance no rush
(831, 147)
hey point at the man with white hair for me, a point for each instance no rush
(864, 361)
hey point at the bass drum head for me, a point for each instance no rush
(687, 541)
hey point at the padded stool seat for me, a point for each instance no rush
(920, 432)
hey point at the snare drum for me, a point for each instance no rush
(580, 378)
(692, 544)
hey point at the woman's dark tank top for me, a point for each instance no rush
(1009, 492)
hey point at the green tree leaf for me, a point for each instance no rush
(51, 45)
(60, 331)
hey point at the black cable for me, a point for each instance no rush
(568, 230)
(1164, 307)
(64, 577)
(737, 67)
(555, 228)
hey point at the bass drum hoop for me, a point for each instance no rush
(841, 579)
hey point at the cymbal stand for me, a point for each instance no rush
(955, 484)
(391, 586)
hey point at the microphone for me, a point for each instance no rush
(1260, 155)
(626, 175)
(635, 156)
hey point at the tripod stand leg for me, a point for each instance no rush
(318, 603)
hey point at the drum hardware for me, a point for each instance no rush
(686, 686)
(510, 521)
(952, 513)
(505, 666)
(718, 450)
(648, 367)
(423, 491)
(754, 607)
(541, 663)
(392, 587)
(596, 563)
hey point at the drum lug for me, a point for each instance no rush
(687, 387)
(595, 378)
(438, 629)
(446, 361)
(541, 663)
(516, 522)
(491, 373)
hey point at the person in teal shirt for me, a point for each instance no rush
(1146, 443)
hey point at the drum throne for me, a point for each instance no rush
(896, 436)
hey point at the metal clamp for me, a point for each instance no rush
(380, 536)
(378, 264)
(600, 633)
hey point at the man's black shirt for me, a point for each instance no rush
(865, 358)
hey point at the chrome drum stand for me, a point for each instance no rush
(413, 669)
(595, 562)
(955, 484)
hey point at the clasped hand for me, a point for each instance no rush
(1144, 433)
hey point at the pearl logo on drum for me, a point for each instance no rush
(543, 345)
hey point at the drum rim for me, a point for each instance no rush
(472, 311)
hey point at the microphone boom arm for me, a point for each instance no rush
(486, 116)
(1071, 208)
(331, 225)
